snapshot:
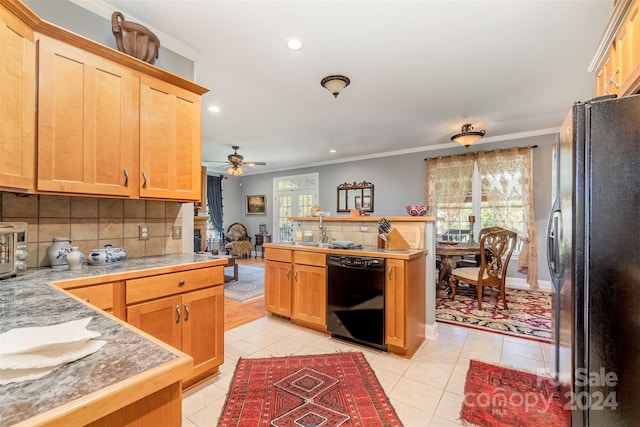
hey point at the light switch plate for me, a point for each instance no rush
(143, 232)
(176, 232)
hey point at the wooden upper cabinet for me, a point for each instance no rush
(607, 75)
(170, 141)
(87, 122)
(17, 102)
(618, 69)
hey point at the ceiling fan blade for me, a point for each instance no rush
(253, 163)
(215, 161)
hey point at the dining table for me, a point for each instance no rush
(448, 252)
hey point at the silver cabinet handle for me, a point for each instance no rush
(186, 312)
(144, 179)
(390, 273)
(288, 274)
(178, 311)
(126, 177)
(295, 276)
(181, 283)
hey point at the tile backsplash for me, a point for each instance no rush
(92, 223)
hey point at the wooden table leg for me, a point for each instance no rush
(232, 263)
(448, 264)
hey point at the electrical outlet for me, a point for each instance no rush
(364, 228)
(143, 232)
(176, 232)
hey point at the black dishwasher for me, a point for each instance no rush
(355, 299)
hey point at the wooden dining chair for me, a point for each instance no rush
(496, 247)
(464, 262)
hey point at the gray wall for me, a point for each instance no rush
(81, 21)
(398, 180)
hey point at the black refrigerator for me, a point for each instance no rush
(593, 253)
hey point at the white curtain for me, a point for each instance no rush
(448, 180)
(507, 181)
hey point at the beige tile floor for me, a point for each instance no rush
(426, 390)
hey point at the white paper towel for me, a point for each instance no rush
(31, 353)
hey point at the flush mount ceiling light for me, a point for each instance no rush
(467, 135)
(294, 43)
(335, 84)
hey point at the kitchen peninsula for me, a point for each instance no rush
(135, 378)
(296, 277)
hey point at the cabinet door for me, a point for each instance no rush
(160, 318)
(277, 289)
(203, 328)
(170, 141)
(395, 297)
(628, 48)
(17, 102)
(310, 294)
(100, 296)
(87, 122)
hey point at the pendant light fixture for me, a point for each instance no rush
(467, 135)
(335, 84)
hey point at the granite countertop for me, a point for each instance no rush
(370, 251)
(28, 300)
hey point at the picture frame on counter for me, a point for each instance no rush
(255, 205)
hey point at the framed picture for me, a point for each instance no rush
(263, 228)
(255, 205)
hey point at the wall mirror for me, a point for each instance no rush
(355, 196)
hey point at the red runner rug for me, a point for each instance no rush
(529, 314)
(495, 396)
(338, 389)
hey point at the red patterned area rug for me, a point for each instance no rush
(529, 314)
(495, 396)
(338, 389)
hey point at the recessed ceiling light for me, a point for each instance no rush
(332, 151)
(214, 108)
(294, 43)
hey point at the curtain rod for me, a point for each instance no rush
(473, 153)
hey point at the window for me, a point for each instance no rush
(495, 187)
(293, 196)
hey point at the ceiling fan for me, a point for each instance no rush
(235, 162)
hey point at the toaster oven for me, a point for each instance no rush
(13, 248)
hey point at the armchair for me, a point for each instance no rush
(237, 240)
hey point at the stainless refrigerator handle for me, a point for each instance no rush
(554, 234)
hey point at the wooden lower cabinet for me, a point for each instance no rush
(192, 322)
(405, 305)
(277, 291)
(310, 295)
(105, 296)
(296, 286)
(395, 297)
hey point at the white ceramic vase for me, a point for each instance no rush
(57, 252)
(75, 258)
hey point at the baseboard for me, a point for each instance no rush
(521, 283)
(431, 331)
